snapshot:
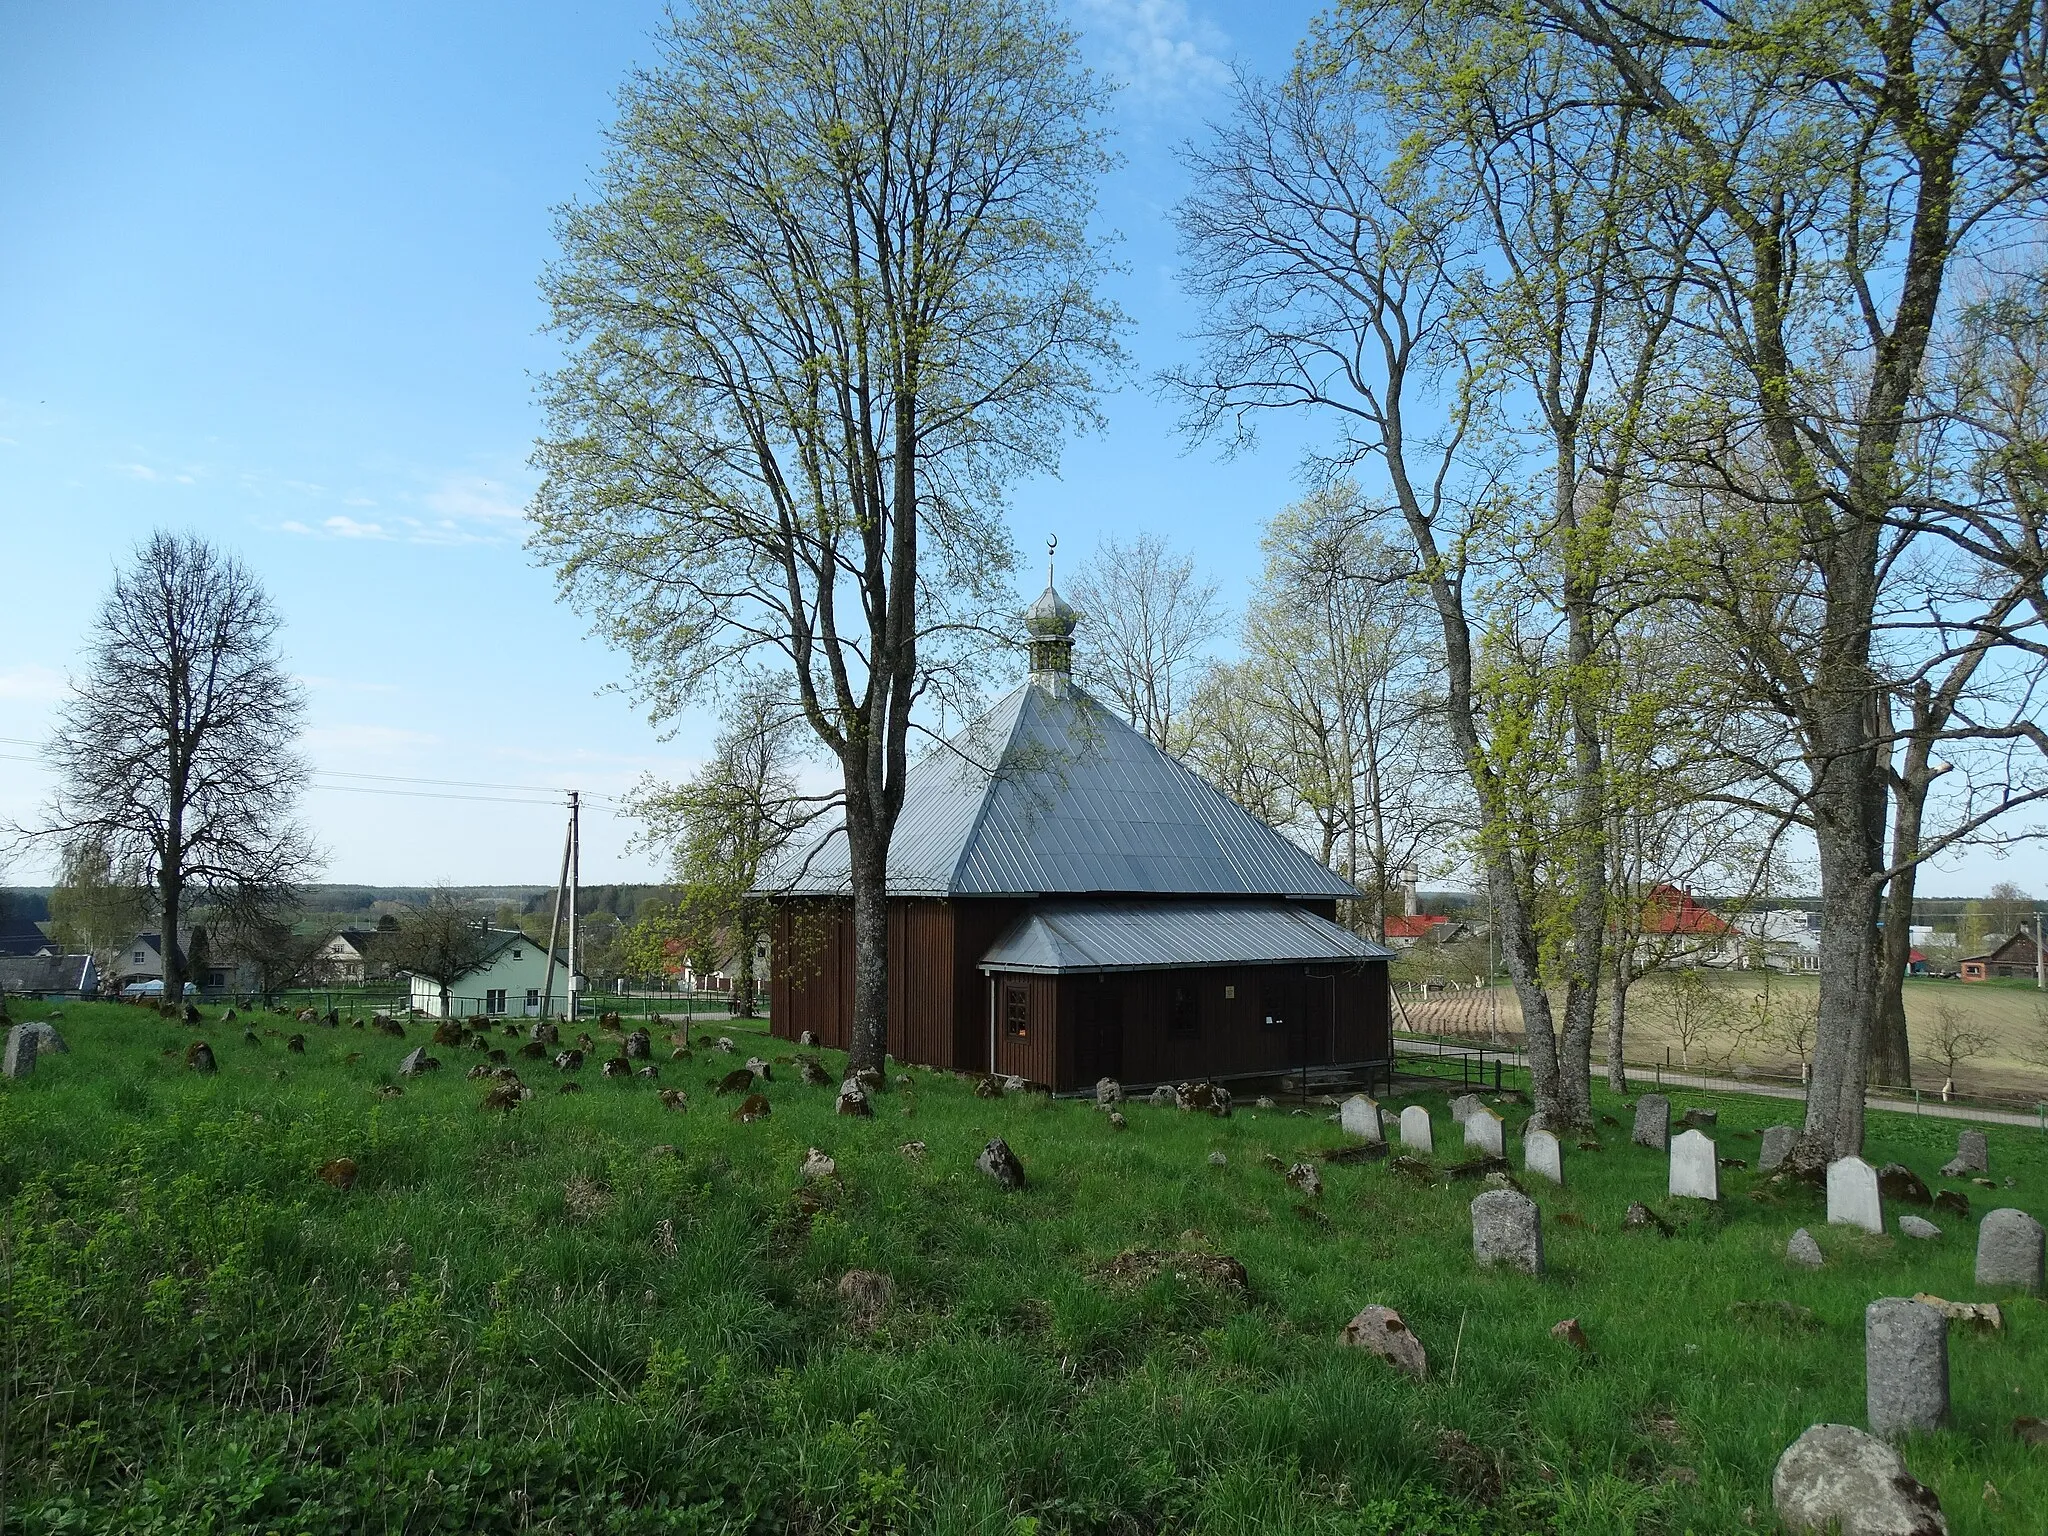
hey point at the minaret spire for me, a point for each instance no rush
(1049, 625)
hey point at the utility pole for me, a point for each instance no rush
(575, 875)
(2040, 961)
(547, 997)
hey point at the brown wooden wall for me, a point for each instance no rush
(1121, 1024)
(1080, 1027)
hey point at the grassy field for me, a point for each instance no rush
(591, 1314)
(2011, 1017)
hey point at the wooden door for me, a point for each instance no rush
(1098, 1028)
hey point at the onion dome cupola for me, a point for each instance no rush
(1049, 628)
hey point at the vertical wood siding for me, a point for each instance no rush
(939, 1003)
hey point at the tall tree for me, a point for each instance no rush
(720, 829)
(1341, 249)
(1150, 616)
(836, 287)
(97, 908)
(175, 752)
(1853, 157)
(442, 941)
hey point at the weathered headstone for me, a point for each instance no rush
(639, 1045)
(1973, 1155)
(1381, 1330)
(1905, 1364)
(1541, 1155)
(1853, 1200)
(1000, 1164)
(816, 1165)
(1804, 1251)
(1483, 1130)
(1108, 1093)
(1836, 1478)
(1695, 1167)
(1415, 1129)
(1463, 1105)
(1895, 1181)
(1507, 1229)
(1653, 1122)
(2010, 1250)
(20, 1057)
(48, 1041)
(1918, 1226)
(1699, 1117)
(1303, 1176)
(1360, 1116)
(1778, 1140)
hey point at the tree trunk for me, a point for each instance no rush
(1617, 1022)
(1848, 830)
(170, 903)
(869, 870)
(1891, 1051)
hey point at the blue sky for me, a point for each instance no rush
(269, 271)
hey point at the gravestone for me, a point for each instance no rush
(1541, 1155)
(1918, 1226)
(1836, 1478)
(1381, 1331)
(1653, 1122)
(1507, 1229)
(1853, 1200)
(1482, 1130)
(1973, 1155)
(1415, 1129)
(20, 1057)
(1000, 1164)
(1905, 1365)
(1695, 1169)
(1360, 1116)
(48, 1041)
(1804, 1251)
(2009, 1250)
(1463, 1105)
(1778, 1140)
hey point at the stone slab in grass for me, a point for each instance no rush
(1695, 1167)
(1360, 1116)
(1905, 1365)
(2010, 1251)
(1415, 1132)
(1483, 1131)
(1653, 1122)
(1837, 1478)
(1777, 1146)
(1973, 1155)
(1542, 1156)
(1853, 1198)
(1507, 1229)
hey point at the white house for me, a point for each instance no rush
(507, 981)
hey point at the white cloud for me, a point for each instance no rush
(1156, 47)
(294, 527)
(31, 684)
(348, 528)
(472, 499)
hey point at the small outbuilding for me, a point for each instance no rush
(1069, 902)
(509, 979)
(2017, 956)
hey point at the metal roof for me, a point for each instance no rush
(1058, 936)
(1052, 793)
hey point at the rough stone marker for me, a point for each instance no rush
(20, 1057)
(1653, 1122)
(1507, 1229)
(1541, 1155)
(1853, 1199)
(1778, 1140)
(1905, 1366)
(1973, 1155)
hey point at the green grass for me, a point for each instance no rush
(490, 1332)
